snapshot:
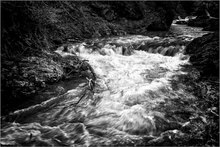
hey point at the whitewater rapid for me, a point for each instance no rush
(121, 110)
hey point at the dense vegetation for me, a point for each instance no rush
(43, 25)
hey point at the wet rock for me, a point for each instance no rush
(204, 52)
(23, 78)
(167, 47)
(209, 24)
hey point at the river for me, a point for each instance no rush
(122, 106)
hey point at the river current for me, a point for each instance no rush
(120, 106)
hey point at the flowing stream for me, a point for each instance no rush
(133, 75)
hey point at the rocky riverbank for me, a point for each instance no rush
(72, 74)
(33, 76)
(31, 31)
(203, 14)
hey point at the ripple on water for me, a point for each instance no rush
(133, 83)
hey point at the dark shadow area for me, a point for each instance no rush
(198, 115)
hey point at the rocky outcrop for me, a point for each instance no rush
(29, 76)
(204, 56)
(207, 13)
(197, 8)
(209, 24)
(204, 52)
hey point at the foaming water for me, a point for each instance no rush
(130, 84)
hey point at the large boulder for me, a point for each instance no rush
(204, 52)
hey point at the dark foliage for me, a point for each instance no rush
(207, 13)
(44, 25)
(197, 8)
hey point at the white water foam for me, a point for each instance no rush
(121, 109)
